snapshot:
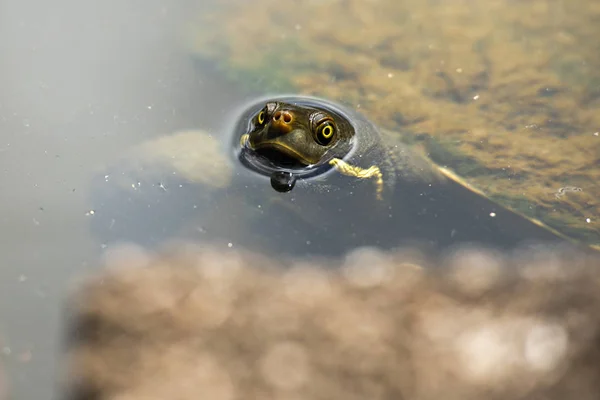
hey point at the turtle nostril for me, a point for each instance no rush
(283, 117)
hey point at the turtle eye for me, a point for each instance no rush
(260, 118)
(325, 133)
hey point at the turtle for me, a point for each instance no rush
(305, 176)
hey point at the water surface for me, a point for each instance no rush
(487, 87)
(80, 83)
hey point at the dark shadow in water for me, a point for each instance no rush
(326, 215)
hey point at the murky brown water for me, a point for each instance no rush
(505, 93)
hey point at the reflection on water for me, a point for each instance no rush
(381, 325)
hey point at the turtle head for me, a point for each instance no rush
(293, 135)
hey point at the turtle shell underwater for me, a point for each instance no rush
(298, 175)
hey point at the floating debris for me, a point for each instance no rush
(564, 190)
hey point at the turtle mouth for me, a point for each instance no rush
(269, 159)
(280, 158)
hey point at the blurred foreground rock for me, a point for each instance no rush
(203, 323)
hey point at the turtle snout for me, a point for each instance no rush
(282, 120)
